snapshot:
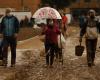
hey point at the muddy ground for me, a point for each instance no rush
(31, 65)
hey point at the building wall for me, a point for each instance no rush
(83, 4)
(30, 4)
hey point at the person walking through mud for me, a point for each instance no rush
(51, 42)
(64, 25)
(91, 32)
(9, 30)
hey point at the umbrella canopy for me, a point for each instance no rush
(46, 13)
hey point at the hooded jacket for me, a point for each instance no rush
(90, 28)
(9, 26)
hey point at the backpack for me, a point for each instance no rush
(91, 30)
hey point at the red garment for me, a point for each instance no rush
(64, 19)
(52, 35)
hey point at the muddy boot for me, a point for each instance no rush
(89, 64)
(4, 62)
(60, 56)
(12, 65)
(13, 61)
(1, 63)
(1, 56)
(93, 64)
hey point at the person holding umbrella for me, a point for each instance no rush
(64, 24)
(51, 42)
(51, 32)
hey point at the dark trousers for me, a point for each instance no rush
(9, 41)
(50, 50)
(91, 49)
(1, 46)
(1, 55)
(98, 26)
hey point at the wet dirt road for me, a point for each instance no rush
(31, 66)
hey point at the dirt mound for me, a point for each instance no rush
(27, 32)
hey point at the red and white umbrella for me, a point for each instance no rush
(47, 13)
